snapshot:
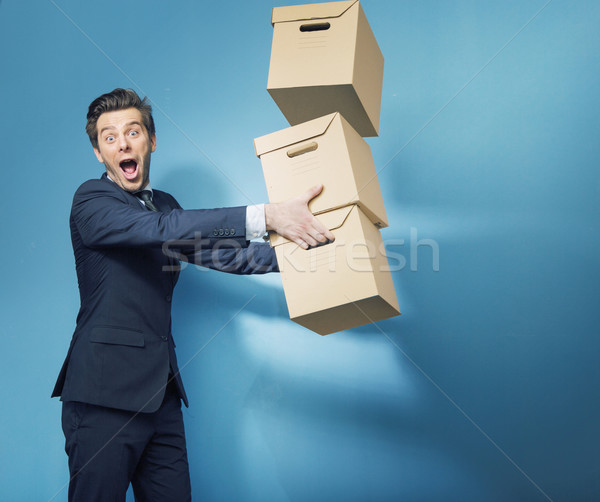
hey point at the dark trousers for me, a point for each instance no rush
(109, 448)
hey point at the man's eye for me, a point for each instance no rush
(133, 133)
(109, 139)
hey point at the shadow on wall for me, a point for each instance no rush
(345, 411)
(274, 405)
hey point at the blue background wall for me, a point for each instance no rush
(486, 388)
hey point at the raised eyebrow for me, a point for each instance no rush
(107, 128)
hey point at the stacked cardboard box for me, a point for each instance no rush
(325, 59)
(326, 76)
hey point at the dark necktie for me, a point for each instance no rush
(146, 196)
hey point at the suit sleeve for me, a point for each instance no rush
(257, 258)
(226, 256)
(104, 218)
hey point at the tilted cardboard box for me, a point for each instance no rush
(325, 59)
(324, 151)
(340, 285)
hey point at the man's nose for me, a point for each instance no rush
(123, 142)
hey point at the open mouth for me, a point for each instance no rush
(129, 168)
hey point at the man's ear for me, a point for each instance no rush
(98, 155)
(153, 143)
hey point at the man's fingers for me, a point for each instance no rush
(315, 236)
(318, 236)
(329, 235)
(311, 241)
(301, 243)
(321, 230)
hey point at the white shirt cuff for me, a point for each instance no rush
(256, 226)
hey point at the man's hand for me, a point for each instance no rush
(293, 220)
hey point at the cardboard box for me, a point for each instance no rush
(325, 59)
(324, 151)
(340, 285)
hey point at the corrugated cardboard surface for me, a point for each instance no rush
(335, 155)
(340, 285)
(313, 73)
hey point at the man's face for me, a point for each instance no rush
(125, 148)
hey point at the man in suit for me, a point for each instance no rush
(120, 382)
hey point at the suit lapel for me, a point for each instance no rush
(160, 201)
(132, 199)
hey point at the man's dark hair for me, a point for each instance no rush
(119, 99)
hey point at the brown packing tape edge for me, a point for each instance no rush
(328, 16)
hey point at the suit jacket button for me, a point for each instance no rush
(232, 231)
(221, 232)
(164, 338)
(168, 298)
(215, 232)
(227, 232)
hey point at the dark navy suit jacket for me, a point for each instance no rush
(127, 260)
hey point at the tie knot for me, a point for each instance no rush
(145, 195)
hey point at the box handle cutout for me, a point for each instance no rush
(315, 27)
(319, 244)
(300, 150)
